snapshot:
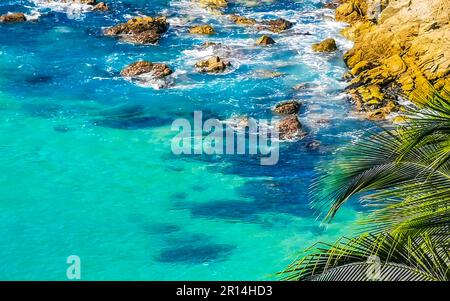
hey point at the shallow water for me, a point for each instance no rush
(87, 167)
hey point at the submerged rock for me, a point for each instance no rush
(313, 145)
(140, 30)
(262, 73)
(290, 128)
(327, 45)
(157, 70)
(202, 29)
(265, 40)
(212, 65)
(287, 107)
(13, 18)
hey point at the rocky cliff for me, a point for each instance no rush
(402, 48)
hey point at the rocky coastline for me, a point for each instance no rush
(401, 51)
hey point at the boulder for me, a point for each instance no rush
(139, 30)
(214, 3)
(277, 25)
(157, 70)
(265, 40)
(12, 18)
(289, 128)
(327, 45)
(287, 107)
(101, 7)
(202, 29)
(242, 20)
(212, 65)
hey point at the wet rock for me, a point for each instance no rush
(277, 25)
(140, 30)
(13, 18)
(332, 4)
(287, 107)
(265, 40)
(101, 7)
(212, 65)
(301, 86)
(202, 29)
(214, 3)
(289, 128)
(327, 45)
(138, 68)
(210, 44)
(240, 20)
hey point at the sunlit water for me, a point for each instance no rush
(85, 156)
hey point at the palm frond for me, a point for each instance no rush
(401, 257)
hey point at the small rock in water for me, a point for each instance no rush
(158, 70)
(210, 44)
(277, 25)
(13, 18)
(287, 108)
(261, 73)
(265, 40)
(202, 29)
(240, 20)
(214, 3)
(301, 86)
(101, 7)
(327, 45)
(290, 128)
(212, 65)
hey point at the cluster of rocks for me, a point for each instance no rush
(289, 127)
(277, 25)
(401, 47)
(139, 30)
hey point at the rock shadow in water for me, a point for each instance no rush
(194, 249)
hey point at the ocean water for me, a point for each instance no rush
(86, 161)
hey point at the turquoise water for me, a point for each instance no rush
(86, 163)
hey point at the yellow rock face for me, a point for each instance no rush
(407, 45)
(327, 45)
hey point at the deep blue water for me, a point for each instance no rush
(87, 167)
